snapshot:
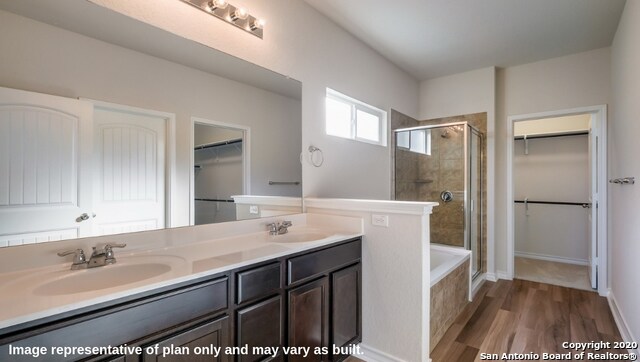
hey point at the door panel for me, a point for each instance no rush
(43, 141)
(129, 192)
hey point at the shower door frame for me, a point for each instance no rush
(467, 212)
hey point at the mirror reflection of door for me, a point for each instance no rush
(73, 169)
(129, 169)
(218, 172)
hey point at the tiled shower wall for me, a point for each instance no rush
(423, 178)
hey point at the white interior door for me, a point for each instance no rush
(129, 152)
(45, 145)
(593, 200)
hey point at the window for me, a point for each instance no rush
(418, 141)
(350, 118)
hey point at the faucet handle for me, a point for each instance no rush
(272, 226)
(79, 257)
(286, 223)
(108, 249)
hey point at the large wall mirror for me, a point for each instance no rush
(109, 125)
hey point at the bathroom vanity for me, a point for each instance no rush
(308, 294)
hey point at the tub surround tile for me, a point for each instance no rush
(449, 296)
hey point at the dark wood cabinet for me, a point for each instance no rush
(260, 325)
(308, 318)
(306, 299)
(346, 316)
(194, 344)
(326, 311)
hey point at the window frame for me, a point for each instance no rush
(356, 106)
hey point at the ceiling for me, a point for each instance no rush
(433, 38)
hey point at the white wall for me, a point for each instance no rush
(556, 169)
(302, 43)
(395, 277)
(624, 149)
(41, 58)
(465, 93)
(572, 81)
(454, 95)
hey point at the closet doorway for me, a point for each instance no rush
(557, 198)
(219, 170)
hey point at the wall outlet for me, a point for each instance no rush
(380, 220)
(253, 209)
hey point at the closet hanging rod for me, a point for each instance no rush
(218, 144)
(581, 133)
(583, 204)
(215, 200)
(284, 182)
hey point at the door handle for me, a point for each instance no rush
(84, 217)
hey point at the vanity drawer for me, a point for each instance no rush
(126, 323)
(258, 282)
(322, 261)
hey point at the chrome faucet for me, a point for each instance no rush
(276, 228)
(104, 256)
(99, 257)
(79, 260)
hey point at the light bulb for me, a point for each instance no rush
(216, 4)
(240, 13)
(257, 24)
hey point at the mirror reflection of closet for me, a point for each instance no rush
(218, 172)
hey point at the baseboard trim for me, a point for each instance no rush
(557, 259)
(621, 322)
(503, 275)
(371, 354)
(491, 277)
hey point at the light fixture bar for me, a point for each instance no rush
(236, 16)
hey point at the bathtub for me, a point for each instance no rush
(450, 288)
(445, 259)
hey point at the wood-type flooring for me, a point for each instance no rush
(527, 317)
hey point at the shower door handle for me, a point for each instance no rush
(473, 205)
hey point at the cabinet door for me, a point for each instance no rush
(308, 318)
(260, 325)
(205, 336)
(346, 316)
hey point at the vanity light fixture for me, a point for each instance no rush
(233, 15)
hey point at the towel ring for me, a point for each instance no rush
(312, 151)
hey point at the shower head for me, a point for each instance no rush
(451, 129)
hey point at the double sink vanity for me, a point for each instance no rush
(203, 289)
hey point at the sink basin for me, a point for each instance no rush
(298, 237)
(119, 274)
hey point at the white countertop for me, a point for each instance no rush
(21, 292)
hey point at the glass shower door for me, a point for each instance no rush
(430, 166)
(475, 204)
